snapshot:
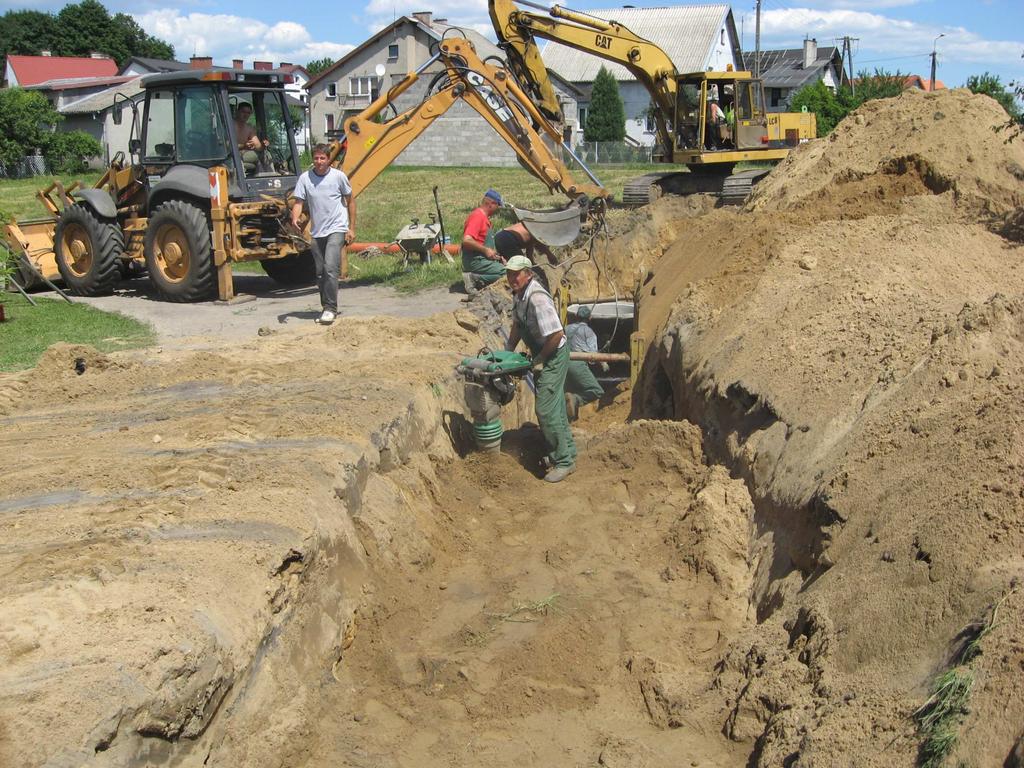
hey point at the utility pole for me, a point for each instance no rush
(757, 43)
(931, 87)
(848, 57)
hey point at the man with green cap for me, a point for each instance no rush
(581, 386)
(535, 322)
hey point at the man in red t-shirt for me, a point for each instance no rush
(481, 261)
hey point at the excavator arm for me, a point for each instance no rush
(373, 145)
(517, 29)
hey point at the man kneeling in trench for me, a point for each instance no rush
(535, 321)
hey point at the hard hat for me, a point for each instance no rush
(518, 264)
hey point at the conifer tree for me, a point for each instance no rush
(606, 119)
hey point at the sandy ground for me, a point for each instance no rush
(281, 552)
(262, 303)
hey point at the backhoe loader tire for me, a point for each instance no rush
(178, 252)
(297, 269)
(88, 250)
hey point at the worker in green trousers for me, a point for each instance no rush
(581, 386)
(536, 323)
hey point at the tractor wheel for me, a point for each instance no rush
(88, 251)
(178, 252)
(297, 269)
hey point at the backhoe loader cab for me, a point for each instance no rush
(195, 120)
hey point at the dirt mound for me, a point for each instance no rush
(851, 345)
(950, 138)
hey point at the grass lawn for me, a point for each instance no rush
(29, 330)
(393, 200)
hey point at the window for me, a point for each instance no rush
(202, 136)
(160, 126)
(329, 124)
(393, 52)
(774, 96)
(650, 124)
(583, 118)
(360, 86)
(332, 90)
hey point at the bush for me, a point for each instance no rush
(28, 123)
(68, 152)
(831, 107)
(991, 85)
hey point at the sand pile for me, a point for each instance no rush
(952, 138)
(851, 342)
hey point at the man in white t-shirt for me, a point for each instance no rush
(327, 193)
(535, 322)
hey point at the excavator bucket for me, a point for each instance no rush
(553, 228)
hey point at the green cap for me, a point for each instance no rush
(518, 263)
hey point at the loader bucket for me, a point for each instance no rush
(553, 228)
(34, 239)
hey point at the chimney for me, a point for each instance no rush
(441, 21)
(46, 53)
(810, 52)
(262, 65)
(200, 62)
(284, 65)
(423, 16)
(237, 64)
(97, 55)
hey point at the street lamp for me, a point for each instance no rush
(934, 42)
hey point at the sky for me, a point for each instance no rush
(980, 36)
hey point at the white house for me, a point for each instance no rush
(459, 137)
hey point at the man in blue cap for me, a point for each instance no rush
(479, 259)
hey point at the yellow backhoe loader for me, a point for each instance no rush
(707, 121)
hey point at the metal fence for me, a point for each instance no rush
(612, 152)
(28, 166)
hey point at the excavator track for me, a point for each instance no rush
(732, 190)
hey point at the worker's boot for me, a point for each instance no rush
(572, 407)
(558, 474)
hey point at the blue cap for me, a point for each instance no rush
(493, 194)
(583, 313)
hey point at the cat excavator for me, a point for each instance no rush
(707, 121)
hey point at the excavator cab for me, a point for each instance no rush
(721, 119)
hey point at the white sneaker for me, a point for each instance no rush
(326, 317)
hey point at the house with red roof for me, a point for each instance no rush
(24, 71)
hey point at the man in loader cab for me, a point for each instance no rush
(535, 322)
(247, 139)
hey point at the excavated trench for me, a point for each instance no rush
(506, 621)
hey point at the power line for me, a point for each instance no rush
(897, 58)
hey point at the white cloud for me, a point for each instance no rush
(226, 37)
(906, 44)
